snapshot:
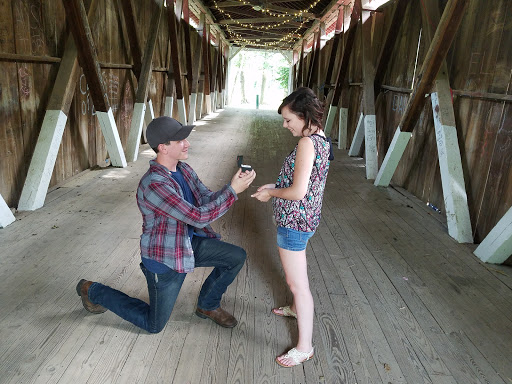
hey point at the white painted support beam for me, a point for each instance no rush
(497, 245)
(331, 114)
(192, 108)
(6, 216)
(169, 103)
(200, 100)
(342, 128)
(370, 146)
(132, 147)
(149, 115)
(452, 177)
(213, 100)
(221, 98)
(357, 141)
(111, 135)
(208, 101)
(43, 161)
(182, 113)
(393, 156)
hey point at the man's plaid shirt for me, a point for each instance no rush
(166, 215)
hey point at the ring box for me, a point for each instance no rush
(245, 167)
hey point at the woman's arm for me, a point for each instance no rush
(303, 166)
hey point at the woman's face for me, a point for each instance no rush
(292, 122)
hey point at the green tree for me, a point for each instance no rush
(283, 74)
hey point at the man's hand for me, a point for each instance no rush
(262, 194)
(241, 181)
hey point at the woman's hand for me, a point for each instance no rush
(263, 192)
(266, 186)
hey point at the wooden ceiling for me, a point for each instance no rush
(270, 24)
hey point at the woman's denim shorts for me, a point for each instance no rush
(292, 240)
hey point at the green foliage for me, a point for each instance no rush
(282, 76)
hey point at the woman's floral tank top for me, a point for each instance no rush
(303, 215)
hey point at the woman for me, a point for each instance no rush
(297, 202)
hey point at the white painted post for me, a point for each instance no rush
(213, 100)
(43, 161)
(357, 141)
(221, 100)
(182, 113)
(497, 245)
(6, 216)
(111, 135)
(331, 114)
(370, 147)
(169, 102)
(452, 177)
(200, 97)
(192, 108)
(393, 156)
(149, 115)
(342, 129)
(208, 101)
(132, 147)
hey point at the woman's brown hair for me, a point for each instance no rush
(304, 103)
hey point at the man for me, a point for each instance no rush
(177, 209)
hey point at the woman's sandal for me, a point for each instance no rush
(296, 356)
(285, 312)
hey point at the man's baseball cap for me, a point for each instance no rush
(164, 129)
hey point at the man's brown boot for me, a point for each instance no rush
(82, 288)
(220, 316)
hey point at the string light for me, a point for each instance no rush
(299, 13)
(289, 39)
(295, 13)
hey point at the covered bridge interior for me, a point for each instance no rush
(410, 267)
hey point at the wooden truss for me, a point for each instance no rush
(80, 49)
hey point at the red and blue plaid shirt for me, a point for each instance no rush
(166, 215)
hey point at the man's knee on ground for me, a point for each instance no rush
(239, 256)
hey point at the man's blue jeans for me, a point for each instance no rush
(227, 260)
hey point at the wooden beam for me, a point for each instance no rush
(496, 248)
(196, 72)
(79, 25)
(139, 108)
(450, 164)
(300, 78)
(206, 67)
(441, 42)
(45, 153)
(19, 58)
(133, 40)
(186, 37)
(389, 42)
(312, 63)
(370, 119)
(214, 78)
(459, 225)
(77, 20)
(175, 73)
(344, 63)
(347, 51)
(334, 49)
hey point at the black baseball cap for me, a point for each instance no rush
(164, 129)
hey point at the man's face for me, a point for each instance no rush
(177, 150)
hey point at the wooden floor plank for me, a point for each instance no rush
(397, 300)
